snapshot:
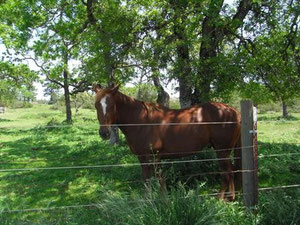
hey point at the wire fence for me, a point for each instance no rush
(154, 163)
(31, 160)
(136, 164)
(126, 125)
(99, 205)
(152, 154)
(39, 126)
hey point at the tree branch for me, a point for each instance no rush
(45, 71)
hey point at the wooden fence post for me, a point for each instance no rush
(249, 153)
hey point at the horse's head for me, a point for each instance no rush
(106, 109)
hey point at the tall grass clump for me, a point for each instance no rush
(278, 207)
(178, 207)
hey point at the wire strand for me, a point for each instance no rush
(274, 155)
(149, 154)
(115, 165)
(136, 164)
(127, 125)
(97, 205)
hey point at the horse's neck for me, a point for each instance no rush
(129, 110)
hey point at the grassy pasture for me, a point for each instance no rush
(120, 196)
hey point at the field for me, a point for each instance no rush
(37, 138)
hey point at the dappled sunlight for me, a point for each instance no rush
(80, 145)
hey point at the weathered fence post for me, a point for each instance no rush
(249, 153)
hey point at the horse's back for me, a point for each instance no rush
(193, 128)
(225, 124)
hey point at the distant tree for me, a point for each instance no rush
(55, 28)
(273, 54)
(51, 90)
(16, 80)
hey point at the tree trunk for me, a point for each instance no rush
(67, 97)
(183, 69)
(114, 133)
(163, 97)
(212, 35)
(208, 51)
(285, 112)
(185, 93)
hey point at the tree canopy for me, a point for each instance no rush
(209, 48)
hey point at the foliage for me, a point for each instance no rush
(16, 82)
(83, 100)
(271, 57)
(142, 92)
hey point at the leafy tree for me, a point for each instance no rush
(52, 90)
(15, 79)
(50, 31)
(273, 55)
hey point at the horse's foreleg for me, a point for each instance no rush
(152, 168)
(161, 179)
(147, 169)
(227, 183)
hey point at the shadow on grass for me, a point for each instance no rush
(66, 147)
(41, 188)
(5, 120)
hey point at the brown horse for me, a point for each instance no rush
(156, 132)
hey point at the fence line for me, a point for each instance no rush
(150, 154)
(135, 164)
(161, 154)
(140, 181)
(97, 205)
(34, 185)
(216, 173)
(127, 125)
(274, 155)
(280, 121)
(115, 165)
(146, 124)
(38, 126)
(279, 187)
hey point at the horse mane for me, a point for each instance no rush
(149, 106)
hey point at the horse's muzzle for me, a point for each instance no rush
(104, 134)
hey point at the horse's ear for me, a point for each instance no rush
(96, 88)
(115, 89)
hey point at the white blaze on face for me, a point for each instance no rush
(103, 104)
(199, 115)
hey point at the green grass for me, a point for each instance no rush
(26, 142)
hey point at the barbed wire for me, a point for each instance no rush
(98, 205)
